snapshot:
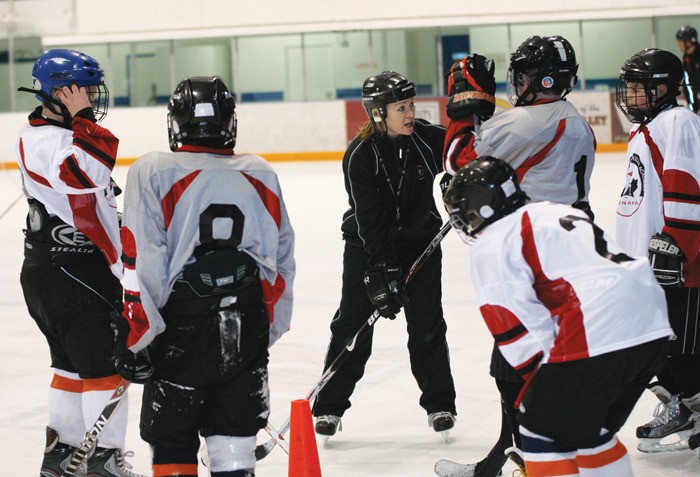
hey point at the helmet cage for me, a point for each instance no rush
(548, 62)
(57, 68)
(480, 194)
(385, 88)
(201, 112)
(650, 68)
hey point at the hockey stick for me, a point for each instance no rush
(496, 458)
(9, 207)
(90, 441)
(263, 450)
(490, 466)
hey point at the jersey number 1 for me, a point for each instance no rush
(601, 245)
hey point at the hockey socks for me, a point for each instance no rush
(545, 457)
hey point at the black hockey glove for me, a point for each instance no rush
(666, 260)
(445, 182)
(381, 280)
(471, 87)
(137, 367)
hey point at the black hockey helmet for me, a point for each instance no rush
(201, 111)
(382, 89)
(651, 68)
(687, 33)
(549, 63)
(481, 193)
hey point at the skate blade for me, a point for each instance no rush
(655, 445)
(447, 468)
(325, 439)
(445, 435)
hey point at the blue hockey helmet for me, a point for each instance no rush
(62, 67)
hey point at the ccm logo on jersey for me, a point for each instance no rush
(67, 235)
(604, 283)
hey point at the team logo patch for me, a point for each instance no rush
(67, 235)
(633, 192)
(547, 82)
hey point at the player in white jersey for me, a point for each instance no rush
(72, 266)
(542, 137)
(659, 214)
(209, 269)
(582, 322)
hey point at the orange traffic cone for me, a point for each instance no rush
(303, 453)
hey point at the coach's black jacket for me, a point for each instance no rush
(371, 221)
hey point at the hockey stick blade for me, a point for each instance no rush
(262, 450)
(90, 442)
(491, 465)
(447, 468)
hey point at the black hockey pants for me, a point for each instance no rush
(210, 370)
(74, 319)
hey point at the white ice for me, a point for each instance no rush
(385, 432)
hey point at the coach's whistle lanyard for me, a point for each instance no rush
(396, 193)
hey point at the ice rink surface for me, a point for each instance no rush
(385, 433)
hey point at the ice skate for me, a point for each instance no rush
(694, 439)
(671, 417)
(442, 422)
(57, 457)
(110, 463)
(327, 426)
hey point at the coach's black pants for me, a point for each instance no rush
(427, 344)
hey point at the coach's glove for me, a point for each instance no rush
(135, 367)
(666, 260)
(381, 280)
(471, 87)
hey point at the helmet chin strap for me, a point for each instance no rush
(522, 97)
(51, 103)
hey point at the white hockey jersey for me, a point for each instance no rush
(553, 287)
(69, 172)
(661, 192)
(549, 144)
(165, 195)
